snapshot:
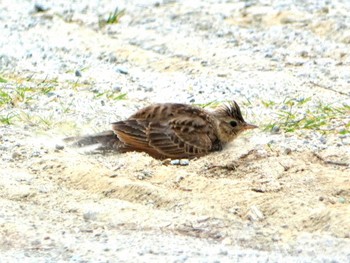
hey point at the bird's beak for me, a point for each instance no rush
(248, 126)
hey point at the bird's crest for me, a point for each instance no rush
(231, 109)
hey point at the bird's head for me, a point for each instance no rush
(231, 122)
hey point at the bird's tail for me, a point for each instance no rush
(104, 141)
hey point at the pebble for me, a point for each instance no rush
(179, 179)
(255, 214)
(78, 73)
(44, 189)
(323, 139)
(275, 129)
(223, 252)
(122, 70)
(40, 8)
(22, 177)
(140, 176)
(203, 219)
(112, 58)
(276, 238)
(36, 154)
(287, 151)
(117, 88)
(184, 162)
(342, 200)
(175, 162)
(90, 216)
(16, 155)
(59, 147)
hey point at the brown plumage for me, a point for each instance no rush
(172, 130)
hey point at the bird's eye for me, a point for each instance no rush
(233, 123)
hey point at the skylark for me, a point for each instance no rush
(172, 130)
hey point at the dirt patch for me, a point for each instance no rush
(280, 194)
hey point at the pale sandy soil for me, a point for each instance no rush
(268, 196)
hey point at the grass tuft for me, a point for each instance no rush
(7, 119)
(113, 17)
(2, 80)
(111, 95)
(297, 114)
(211, 104)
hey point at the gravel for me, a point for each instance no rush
(179, 51)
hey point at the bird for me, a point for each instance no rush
(171, 130)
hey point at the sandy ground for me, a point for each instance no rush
(270, 196)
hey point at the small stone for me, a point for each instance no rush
(255, 214)
(323, 140)
(184, 162)
(223, 252)
(332, 201)
(36, 154)
(23, 177)
(147, 173)
(112, 58)
(148, 89)
(325, 10)
(204, 63)
(78, 73)
(275, 129)
(341, 200)
(234, 210)
(59, 147)
(175, 162)
(122, 70)
(117, 88)
(90, 216)
(222, 75)
(179, 179)
(16, 155)
(203, 219)
(304, 54)
(140, 176)
(39, 8)
(43, 189)
(51, 94)
(287, 151)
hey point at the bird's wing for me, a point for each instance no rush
(133, 134)
(165, 111)
(181, 137)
